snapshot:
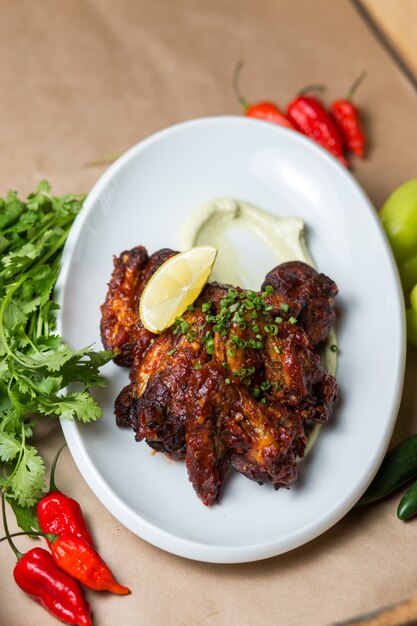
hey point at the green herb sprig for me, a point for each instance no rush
(35, 363)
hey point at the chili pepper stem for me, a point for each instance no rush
(52, 485)
(236, 74)
(22, 533)
(309, 88)
(355, 85)
(8, 536)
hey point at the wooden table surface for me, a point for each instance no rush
(397, 20)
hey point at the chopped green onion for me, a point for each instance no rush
(248, 304)
(271, 329)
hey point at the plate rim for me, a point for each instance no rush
(150, 532)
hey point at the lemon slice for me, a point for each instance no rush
(174, 286)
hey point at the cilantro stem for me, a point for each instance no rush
(18, 462)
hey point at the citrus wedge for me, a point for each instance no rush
(174, 286)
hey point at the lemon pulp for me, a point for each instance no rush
(174, 286)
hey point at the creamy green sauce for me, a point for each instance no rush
(250, 242)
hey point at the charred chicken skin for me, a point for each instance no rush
(235, 382)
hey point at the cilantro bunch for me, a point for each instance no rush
(35, 363)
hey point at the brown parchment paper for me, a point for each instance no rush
(79, 79)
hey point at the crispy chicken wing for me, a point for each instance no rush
(309, 295)
(121, 328)
(235, 382)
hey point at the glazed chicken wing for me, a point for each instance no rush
(310, 297)
(235, 382)
(121, 328)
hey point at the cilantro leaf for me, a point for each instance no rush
(26, 517)
(9, 446)
(53, 360)
(28, 481)
(79, 404)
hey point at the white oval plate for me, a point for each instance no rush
(143, 198)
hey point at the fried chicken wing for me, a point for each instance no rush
(235, 382)
(121, 328)
(207, 457)
(309, 295)
(226, 426)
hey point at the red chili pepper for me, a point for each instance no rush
(37, 575)
(264, 110)
(346, 115)
(310, 117)
(78, 559)
(59, 514)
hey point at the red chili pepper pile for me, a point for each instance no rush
(338, 130)
(50, 578)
